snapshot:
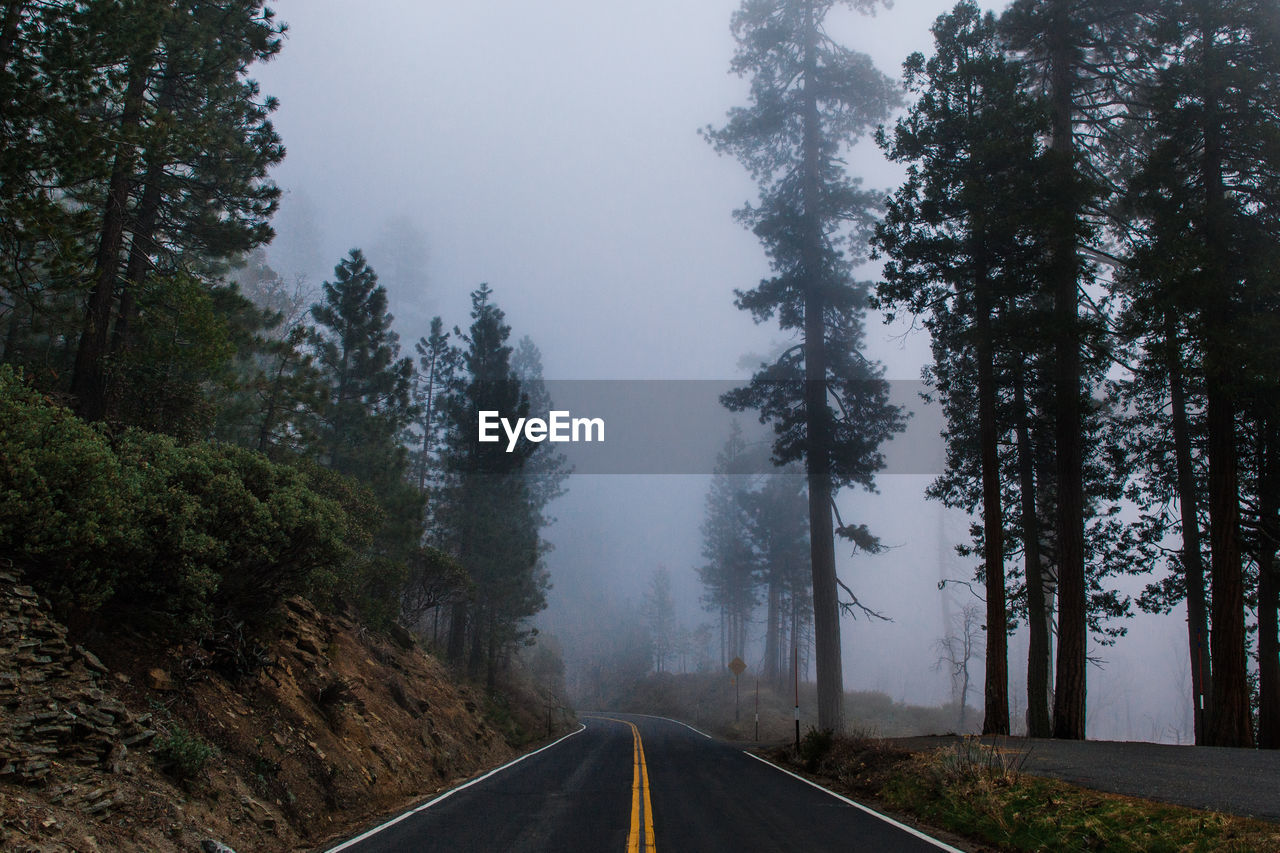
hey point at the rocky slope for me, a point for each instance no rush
(137, 748)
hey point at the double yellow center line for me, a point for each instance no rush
(640, 839)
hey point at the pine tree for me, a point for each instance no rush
(192, 151)
(660, 611)
(729, 575)
(367, 406)
(810, 99)
(547, 469)
(1077, 54)
(1212, 154)
(961, 251)
(437, 367)
(489, 520)
(778, 527)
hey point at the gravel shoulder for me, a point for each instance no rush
(1242, 782)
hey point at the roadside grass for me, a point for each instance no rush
(980, 792)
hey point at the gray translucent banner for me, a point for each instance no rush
(680, 426)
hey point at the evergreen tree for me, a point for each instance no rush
(489, 519)
(660, 611)
(961, 251)
(367, 404)
(437, 367)
(547, 469)
(188, 172)
(729, 575)
(274, 392)
(778, 529)
(810, 99)
(1212, 157)
(1077, 54)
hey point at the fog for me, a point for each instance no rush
(551, 150)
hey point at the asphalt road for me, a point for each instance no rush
(632, 784)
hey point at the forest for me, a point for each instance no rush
(187, 438)
(1086, 232)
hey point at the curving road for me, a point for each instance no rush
(639, 784)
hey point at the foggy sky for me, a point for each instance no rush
(551, 150)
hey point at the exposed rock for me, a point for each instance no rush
(158, 679)
(340, 726)
(403, 638)
(258, 813)
(91, 660)
(53, 707)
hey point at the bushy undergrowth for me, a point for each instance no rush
(815, 746)
(182, 754)
(142, 527)
(978, 790)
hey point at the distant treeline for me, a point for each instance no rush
(711, 701)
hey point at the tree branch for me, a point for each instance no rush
(852, 607)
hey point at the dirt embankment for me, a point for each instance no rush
(136, 748)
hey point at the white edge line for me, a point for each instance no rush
(941, 845)
(677, 722)
(344, 845)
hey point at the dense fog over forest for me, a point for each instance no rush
(553, 152)
(408, 400)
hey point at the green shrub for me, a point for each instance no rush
(66, 507)
(239, 532)
(181, 754)
(814, 747)
(159, 532)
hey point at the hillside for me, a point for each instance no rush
(132, 746)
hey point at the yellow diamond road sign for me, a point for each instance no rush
(737, 666)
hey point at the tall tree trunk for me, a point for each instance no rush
(143, 236)
(724, 638)
(1268, 587)
(772, 628)
(1230, 724)
(996, 719)
(427, 419)
(822, 549)
(146, 218)
(735, 631)
(1192, 559)
(88, 381)
(792, 651)
(1038, 723)
(784, 642)
(1063, 281)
